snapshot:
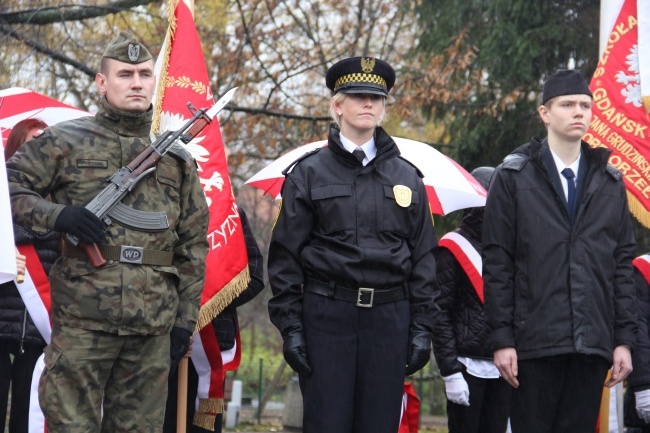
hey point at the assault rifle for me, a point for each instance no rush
(109, 201)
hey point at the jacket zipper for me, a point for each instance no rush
(22, 337)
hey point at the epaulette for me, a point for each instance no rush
(514, 161)
(179, 152)
(306, 155)
(614, 172)
(412, 165)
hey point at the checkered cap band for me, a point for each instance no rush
(360, 78)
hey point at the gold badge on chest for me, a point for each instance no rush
(402, 195)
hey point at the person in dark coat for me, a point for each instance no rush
(638, 386)
(226, 327)
(557, 264)
(351, 263)
(478, 399)
(19, 336)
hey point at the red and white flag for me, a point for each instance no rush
(621, 110)
(8, 257)
(35, 291)
(410, 418)
(468, 258)
(182, 78)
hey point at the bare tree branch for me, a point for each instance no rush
(51, 15)
(237, 108)
(43, 49)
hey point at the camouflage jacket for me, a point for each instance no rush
(70, 163)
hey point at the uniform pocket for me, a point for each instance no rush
(395, 218)
(52, 355)
(334, 201)
(168, 174)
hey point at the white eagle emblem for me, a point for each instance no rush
(632, 82)
(134, 52)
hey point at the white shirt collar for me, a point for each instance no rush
(368, 147)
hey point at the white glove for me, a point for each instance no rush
(643, 404)
(457, 389)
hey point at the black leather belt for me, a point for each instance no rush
(363, 296)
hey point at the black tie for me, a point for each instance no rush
(359, 154)
(570, 176)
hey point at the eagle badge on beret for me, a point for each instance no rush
(134, 52)
(367, 64)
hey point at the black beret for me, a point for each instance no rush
(361, 75)
(565, 82)
(127, 49)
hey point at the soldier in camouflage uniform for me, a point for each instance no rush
(110, 355)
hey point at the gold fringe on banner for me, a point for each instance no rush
(223, 298)
(638, 210)
(170, 10)
(207, 412)
(646, 103)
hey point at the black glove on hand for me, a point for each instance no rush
(80, 222)
(419, 347)
(180, 344)
(295, 349)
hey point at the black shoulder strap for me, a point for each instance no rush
(306, 155)
(413, 165)
(514, 161)
(614, 172)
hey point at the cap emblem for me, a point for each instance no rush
(134, 52)
(367, 64)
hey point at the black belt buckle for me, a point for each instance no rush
(362, 291)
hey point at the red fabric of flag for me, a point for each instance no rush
(620, 121)
(182, 78)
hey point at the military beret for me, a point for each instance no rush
(361, 75)
(565, 82)
(126, 48)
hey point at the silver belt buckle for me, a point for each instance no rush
(361, 291)
(130, 254)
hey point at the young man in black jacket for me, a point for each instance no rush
(557, 249)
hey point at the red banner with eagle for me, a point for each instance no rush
(621, 110)
(183, 78)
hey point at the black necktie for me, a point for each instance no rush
(359, 154)
(570, 176)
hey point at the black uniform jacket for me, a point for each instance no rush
(552, 285)
(639, 379)
(340, 222)
(461, 329)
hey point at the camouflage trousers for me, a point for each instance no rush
(94, 381)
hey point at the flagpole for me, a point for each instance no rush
(181, 406)
(181, 409)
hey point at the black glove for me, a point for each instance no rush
(180, 344)
(80, 222)
(419, 347)
(295, 349)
